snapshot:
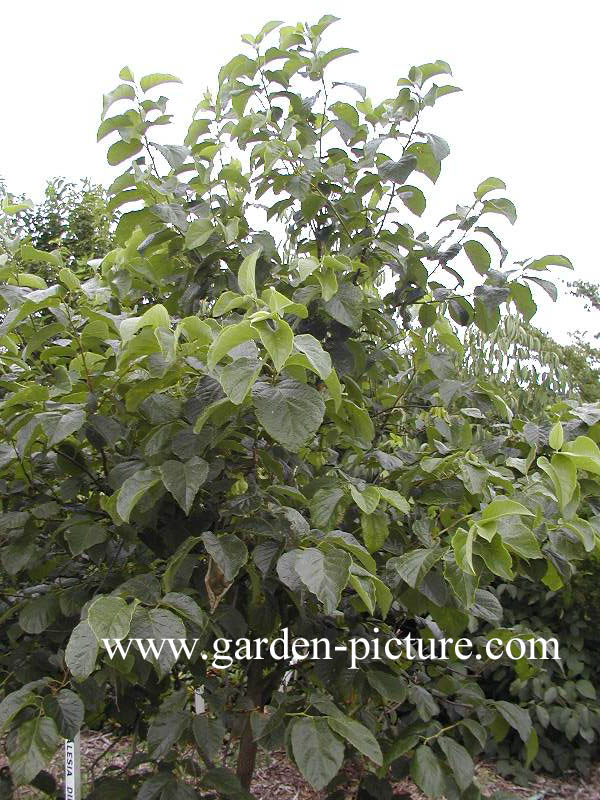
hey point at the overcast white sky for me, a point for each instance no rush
(528, 112)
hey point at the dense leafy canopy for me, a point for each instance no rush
(215, 429)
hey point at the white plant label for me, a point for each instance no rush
(199, 704)
(72, 769)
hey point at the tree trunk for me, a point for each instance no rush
(248, 747)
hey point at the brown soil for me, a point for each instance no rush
(277, 779)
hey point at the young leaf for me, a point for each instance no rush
(247, 274)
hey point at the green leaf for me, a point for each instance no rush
(518, 718)
(155, 317)
(157, 79)
(220, 410)
(488, 185)
(247, 274)
(501, 205)
(323, 506)
(224, 781)
(57, 426)
(122, 92)
(70, 280)
(35, 742)
(324, 574)
(185, 607)
(367, 499)
(478, 256)
(462, 544)
(586, 689)
(361, 424)
(426, 771)
(228, 551)
(198, 233)
(550, 261)
(238, 377)
(504, 507)
(289, 411)
(83, 536)
(38, 614)
(374, 529)
(184, 480)
(519, 538)
(427, 163)
(209, 735)
(584, 453)
(230, 336)
(395, 499)
(532, 748)
(82, 651)
(365, 589)
(165, 731)
(15, 208)
(109, 617)
(313, 350)
(21, 698)
(391, 687)
(279, 341)
(413, 198)
(556, 438)
(463, 584)
(158, 624)
(413, 566)
(563, 473)
(317, 750)
(133, 489)
(397, 171)
(67, 711)
(358, 735)
(496, 557)
(345, 305)
(348, 542)
(460, 762)
(120, 151)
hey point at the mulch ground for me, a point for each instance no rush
(277, 779)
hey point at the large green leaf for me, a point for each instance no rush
(277, 339)
(413, 566)
(504, 507)
(518, 718)
(228, 551)
(67, 711)
(313, 350)
(157, 79)
(238, 377)
(35, 742)
(165, 731)
(290, 412)
(133, 489)
(374, 529)
(358, 735)
(426, 771)
(317, 750)
(247, 272)
(82, 651)
(324, 573)
(109, 617)
(585, 453)
(184, 479)
(460, 761)
(231, 336)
